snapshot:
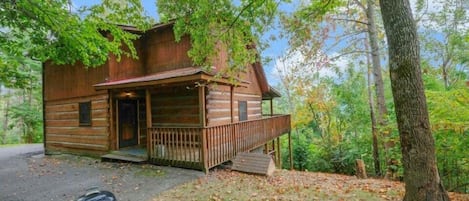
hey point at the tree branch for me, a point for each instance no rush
(350, 20)
(348, 53)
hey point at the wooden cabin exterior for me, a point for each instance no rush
(182, 115)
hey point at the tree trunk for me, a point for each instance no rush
(422, 181)
(377, 74)
(5, 120)
(378, 80)
(361, 170)
(374, 130)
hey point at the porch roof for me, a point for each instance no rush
(165, 77)
(271, 94)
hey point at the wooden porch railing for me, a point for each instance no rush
(204, 148)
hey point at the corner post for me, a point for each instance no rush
(149, 122)
(271, 107)
(204, 155)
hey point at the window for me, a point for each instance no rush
(243, 110)
(84, 114)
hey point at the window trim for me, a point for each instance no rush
(240, 112)
(84, 121)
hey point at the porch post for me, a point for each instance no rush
(231, 103)
(203, 122)
(149, 122)
(290, 150)
(271, 107)
(112, 128)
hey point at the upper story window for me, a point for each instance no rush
(84, 112)
(243, 110)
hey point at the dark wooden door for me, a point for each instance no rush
(128, 123)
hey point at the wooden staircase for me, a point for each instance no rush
(251, 162)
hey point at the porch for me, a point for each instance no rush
(206, 147)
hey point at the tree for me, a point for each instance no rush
(417, 144)
(443, 37)
(358, 31)
(54, 30)
(220, 24)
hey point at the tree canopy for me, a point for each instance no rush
(57, 31)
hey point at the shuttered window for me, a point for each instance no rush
(243, 110)
(85, 113)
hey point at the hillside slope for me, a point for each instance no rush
(288, 185)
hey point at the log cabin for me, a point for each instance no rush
(179, 114)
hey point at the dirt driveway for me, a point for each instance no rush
(33, 176)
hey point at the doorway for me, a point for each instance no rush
(128, 123)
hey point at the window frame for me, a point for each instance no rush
(84, 113)
(242, 112)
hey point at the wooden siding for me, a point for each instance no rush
(218, 101)
(163, 53)
(175, 106)
(71, 81)
(218, 105)
(127, 67)
(63, 132)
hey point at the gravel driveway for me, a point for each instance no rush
(33, 176)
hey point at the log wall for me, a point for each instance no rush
(175, 106)
(63, 132)
(218, 100)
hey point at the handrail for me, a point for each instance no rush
(203, 148)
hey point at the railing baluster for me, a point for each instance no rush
(210, 146)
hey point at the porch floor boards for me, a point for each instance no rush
(134, 155)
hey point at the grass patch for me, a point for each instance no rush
(149, 172)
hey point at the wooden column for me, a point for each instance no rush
(203, 121)
(112, 128)
(231, 103)
(290, 150)
(149, 121)
(203, 149)
(271, 107)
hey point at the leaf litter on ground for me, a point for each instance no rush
(288, 185)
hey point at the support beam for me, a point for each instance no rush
(203, 121)
(271, 107)
(149, 120)
(112, 124)
(231, 103)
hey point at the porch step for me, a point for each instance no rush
(122, 158)
(257, 163)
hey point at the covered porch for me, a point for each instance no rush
(207, 147)
(166, 115)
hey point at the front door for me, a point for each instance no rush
(128, 127)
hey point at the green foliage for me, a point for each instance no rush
(52, 30)
(453, 161)
(30, 116)
(217, 25)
